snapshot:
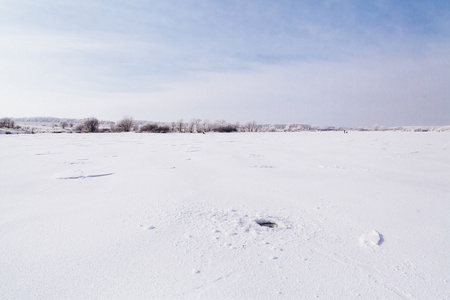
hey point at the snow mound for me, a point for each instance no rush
(373, 238)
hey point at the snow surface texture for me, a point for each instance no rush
(123, 216)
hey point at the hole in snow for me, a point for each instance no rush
(266, 223)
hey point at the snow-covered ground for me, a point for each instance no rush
(125, 216)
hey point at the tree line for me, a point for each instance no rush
(128, 124)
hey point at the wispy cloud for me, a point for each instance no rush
(268, 60)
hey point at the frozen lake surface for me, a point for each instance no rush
(121, 216)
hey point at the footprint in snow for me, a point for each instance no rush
(147, 228)
(87, 176)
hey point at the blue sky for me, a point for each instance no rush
(342, 63)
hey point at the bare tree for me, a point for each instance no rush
(198, 127)
(180, 125)
(88, 125)
(219, 123)
(194, 125)
(288, 127)
(191, 125)
(125, 125)
(206, 126)
(251, 126)
(173, 126)
(7, 123)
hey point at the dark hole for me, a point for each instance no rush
(265, 223)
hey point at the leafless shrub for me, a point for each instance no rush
(88, 125)
(125, 125)
(180, 126)
(206, 126)
(250, 126)
(225, 128)
(79, 127)
(155, 128)
(194, 125)
(7, 123)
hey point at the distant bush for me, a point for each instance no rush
(7, 123)
(125, 125)
(180, 126)
(79, 127)
(152, 127)
(225, 128)
(251, 126)
(104, 130)
(88, 125)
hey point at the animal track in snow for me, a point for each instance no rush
(231, 229)
(147, 227)
(79, 163)
(166, 167)
(342, 168)
(87, 176)
(47, 153)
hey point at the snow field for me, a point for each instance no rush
(122, 216)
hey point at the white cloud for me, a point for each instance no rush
(356, 93)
